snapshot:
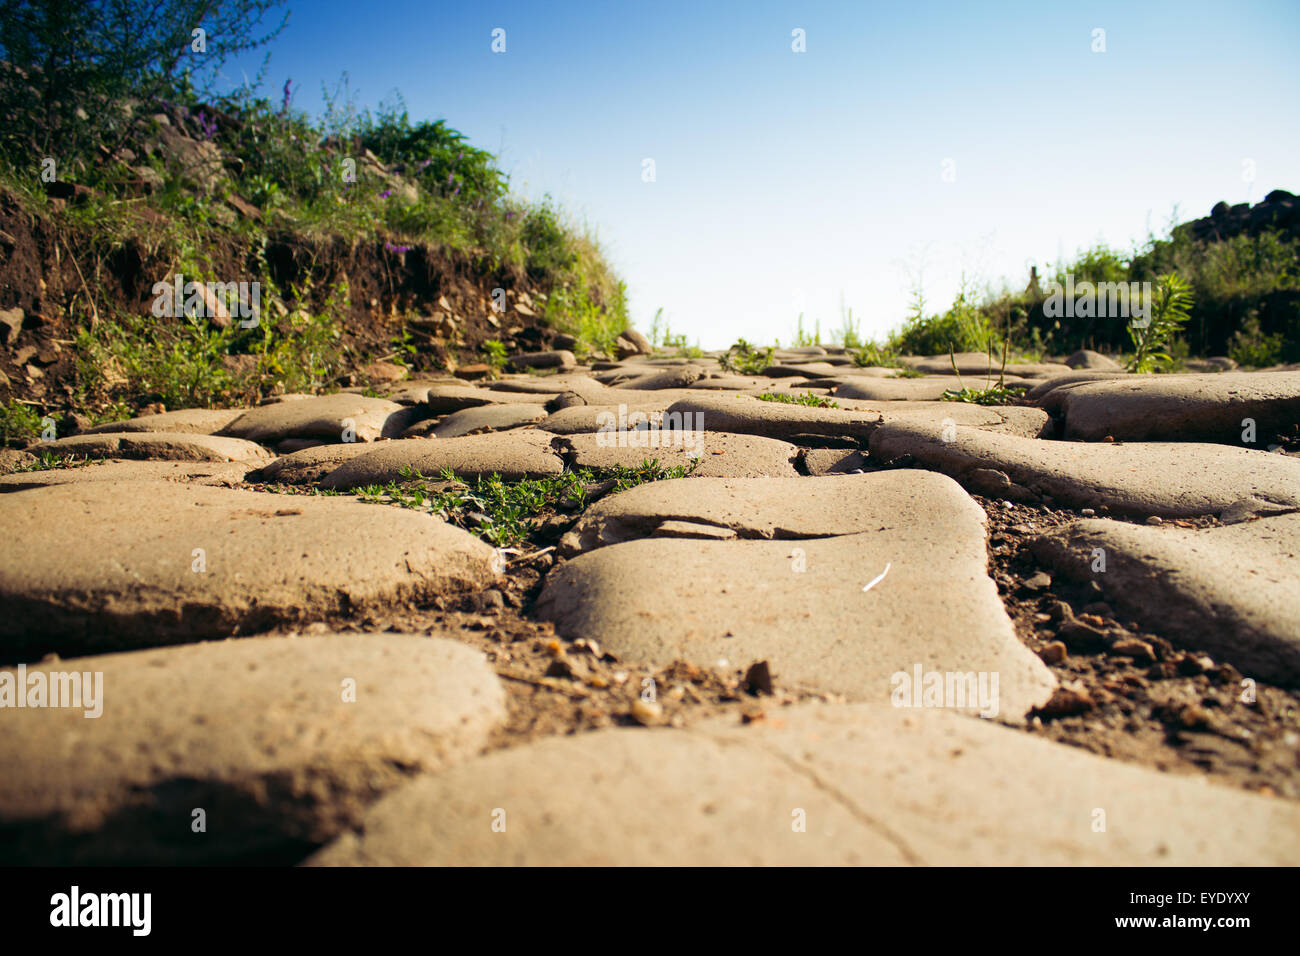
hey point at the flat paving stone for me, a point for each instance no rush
(1087, 358)
(1169, 479)
(446, 399)
(489, 418)
(157, 446)
(515, 454)
(201, 421)
(282, 742)
(977, 363)
(744, 414)
(218, 474)
(815, 785)
(97, 567)
(719, 454)
(309, 465)
(324, 417)
(1197, 408)
(798, 604)
(679, 376)
(912, 389)
(1233, 591)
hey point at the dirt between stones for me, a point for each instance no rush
(1125, 693)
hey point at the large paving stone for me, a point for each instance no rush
(323, 417)
(220, 474)
(1170, 479)
(489, 418)
(772, 509)
(639, 379)
(310, 464)
(720, 455)
(577, 419)
(256, 733)
(977, 363)
(1087, 358)
(800, 605)
(1049, 392)
(157, 446)
(518, 453)
(1232, 591)
(744, 414)
(445, 399)
(202, 421)
(98, 566)
(912, 389)
(1201, 408)
(871, 785)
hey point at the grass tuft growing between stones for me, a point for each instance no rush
(508, 513)
(804, 398)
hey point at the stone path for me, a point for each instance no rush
(816, 647)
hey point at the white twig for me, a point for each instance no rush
(878, 578)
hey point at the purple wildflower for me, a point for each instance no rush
(284, 108)
(385, 194)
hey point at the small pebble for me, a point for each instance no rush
(1088, 512)
(647, 712)
(1053, 653)
(1155, 519)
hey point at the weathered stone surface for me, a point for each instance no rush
(324, 417)
(518, 453)
(202, 421)
(99, 566)
(911, 389)
(1200, 408)
(877, 786)
(1170, 479)
(158, 446)
(309, 465)
(577, 419)
(1087, 358)
(221, 474)
(559, 358)
(489, 418)
(833, 461)
(1231, 591)
(257, 732)
(744, 414)
(650, 379)
(445, 399)
(750, 600)
(978, 363)
(1045, 393)
(720, 455)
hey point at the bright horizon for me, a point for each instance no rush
(937, 140)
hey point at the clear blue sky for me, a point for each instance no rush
(787, 181)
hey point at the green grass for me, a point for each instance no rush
(745, 359)
(805, 398)
(508, 513)
(18, 422)
(993, 395)
(48, 461)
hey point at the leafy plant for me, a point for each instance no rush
(744, 359)
(18, 422)
(1168, 314)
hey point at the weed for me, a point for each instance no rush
(1169, 313)
(805, 398)
(745, 359)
